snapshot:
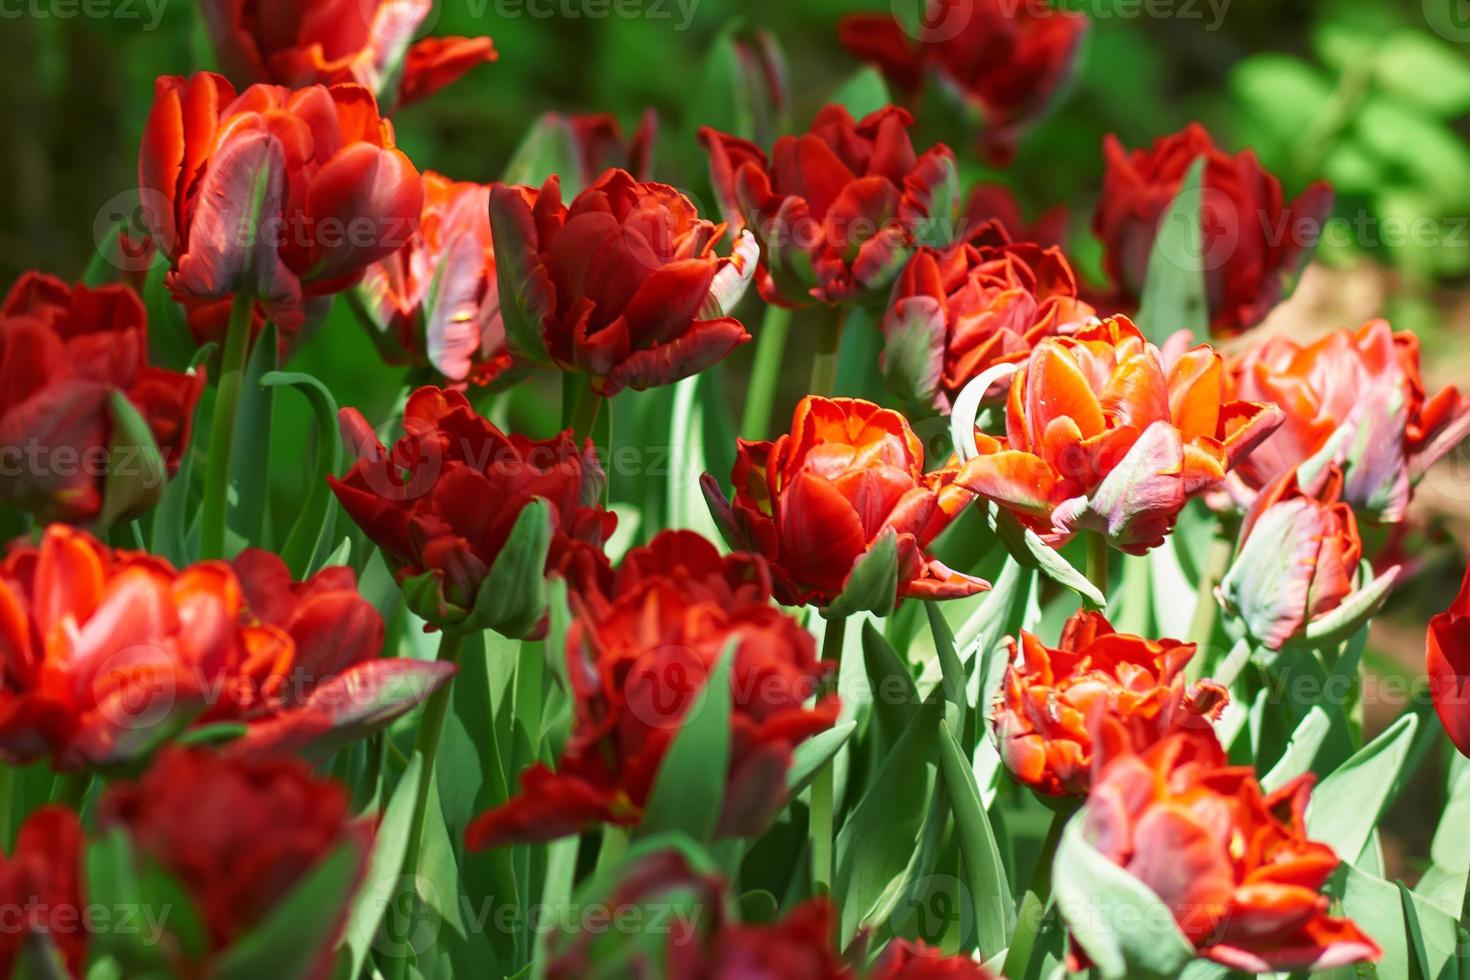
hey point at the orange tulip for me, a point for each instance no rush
(1051, 697)
(1102, 434)
(1232, 862)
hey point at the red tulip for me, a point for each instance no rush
(903, 960)
(817, 502)
(638, 657)
(1005, 60)
(1448, 666)
(106, 652)
(1354, 398)
(1253, 242)
(324, 42)
(1052, 697)
(277, 194)
(41, 890)
(1232, 862)
(443, 502)
(237, 836)
(984, 301)
(624, 284)
(1102, 434)
(1297, 562)
(65, 354)
(436, 302)
(837, 210)
(598, 142)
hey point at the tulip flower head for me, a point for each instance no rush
(436, 302)
(448, 499)
(1354, 398)
(1102, 434)
(41, 886)
(1297, 570)
(106, 653)
(624, 284)
(843, 487)
(839, 209)
(959, 311)
(1231, 861)
(638, 658)
(275, 194)
(1007, 62)
(1254, 243)
(1052, 699)
(80, 402)
(325, 42)
(1447, 650)
(236, 836)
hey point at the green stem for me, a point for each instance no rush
(770, 347)
(1033, 904)
(426, 748)
(822, 825)
(1097, 563)
(824, 365)
(222, 428)
(7, 804)
(580, 406)
(1206, 607)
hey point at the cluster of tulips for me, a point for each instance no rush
(657, 720)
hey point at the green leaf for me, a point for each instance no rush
(874, 846)
(1300, 751)
(287, 943)
(136, 474)
(1126, 930)
(1026, 546)
(311, 534)
(1346, 805)
(512, 599)
(1287, 95)
(1379, 909)
(389, 847)
(689, 790)
(990, 892)
(1174, 289)
(814, 753)
(863, 93)
(548, 148)
(955, 682)
(170, 343)
(891, 690)
(872, 585)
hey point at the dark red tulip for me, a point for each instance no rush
(904, 960)
(624, 284)
(839, 209)
(237, 835)
(65, 353)
(442, 503)
(1447, 650)
(42, 892)
(959, 311)
(1254, 242)
(277, 194)
(1006, 60)
(297, 43)
(638, 656)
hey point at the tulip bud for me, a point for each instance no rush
(1297, 572)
